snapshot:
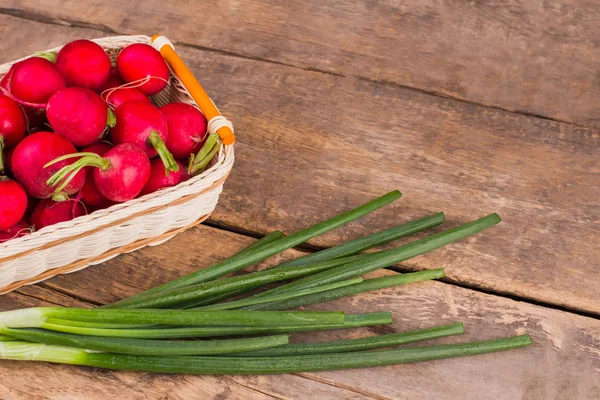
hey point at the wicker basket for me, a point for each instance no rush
(147, 221)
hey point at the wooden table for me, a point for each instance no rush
(466, 107)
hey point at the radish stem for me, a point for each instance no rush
(85, 160)
(48, 55)
(111, 119)
(165, 155)
(200, 160)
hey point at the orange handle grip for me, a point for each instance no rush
(196, 90)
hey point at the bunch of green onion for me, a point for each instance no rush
(137, 333)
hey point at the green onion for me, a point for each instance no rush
(351, 321)
(148, 347)
(370, 241)
(271, 237)
(366, 343)
(212, 303)
(249, 301)
(342, 250)
(366, 286)
(91, 324)
(255, 255)
(192, 293)
(388, 258)
(253, 365)
(36, 317)
(4, 338)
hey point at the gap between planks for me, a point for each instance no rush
(44, 19)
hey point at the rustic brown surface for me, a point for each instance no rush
(308, 150)
(531, 56)
(313, 144)
(563, 363)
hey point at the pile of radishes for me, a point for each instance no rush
(78, 134)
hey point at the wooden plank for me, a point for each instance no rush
(531, 56)
(563, 363)
(311, 145)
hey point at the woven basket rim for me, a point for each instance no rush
(220, 167)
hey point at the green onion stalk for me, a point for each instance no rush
(258, 254)
(363, 264)
(340, 251)
(388, 258)
(158, 332)
(250, 301)
(360, 344)
(337, 293)
(367, 242)
(145, 346)
(36, 317)
(215, 365)
(192, 293)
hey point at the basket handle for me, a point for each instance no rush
(216, 122)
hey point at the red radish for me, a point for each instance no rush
(32, 154)
(159, 178)
(84, 63)
(13, 123)
(89, 193)
(16, 231)
(50, 212)
(145, 126)
(187, 129)
(79, 114)
(117, 96)
(12, 126)
(114, 80)
(119, 175)
(13, 202)
(32, 81)
(139, 62)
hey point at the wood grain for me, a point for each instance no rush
(312, 145)
(532, 56)
(563, 363)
